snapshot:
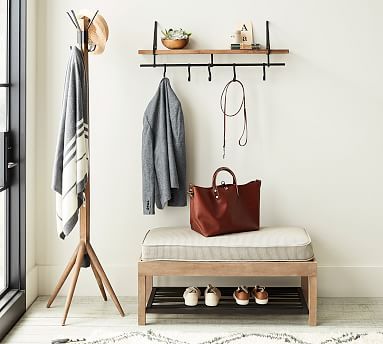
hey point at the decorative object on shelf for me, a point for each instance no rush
(256, 46)
(267, 51)
(175, 39)
(236, 37)
(84, 254)
(246, 35)
(175, 43)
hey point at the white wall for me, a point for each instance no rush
(315, 136)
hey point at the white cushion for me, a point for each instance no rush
(266, 244)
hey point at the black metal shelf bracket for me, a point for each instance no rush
(212, 64)
(264, 71)
(155, 42)
(268, 43)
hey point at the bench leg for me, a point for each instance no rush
(312, 298)
(148, 286)
(305, 288)
(141, 300)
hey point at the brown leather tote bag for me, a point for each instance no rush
(226, 208)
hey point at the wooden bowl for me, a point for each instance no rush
(175, 43)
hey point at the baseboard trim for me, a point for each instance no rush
(32, 291)
(333, 281)
(350, 281)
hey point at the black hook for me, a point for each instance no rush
(189, 76)
(234, 73)
(264, 71)
(71, 19)
(164, 70)
(76, 21)
(90, 23)
(209, 71)
(92, 49)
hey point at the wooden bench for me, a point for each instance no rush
(169, 300)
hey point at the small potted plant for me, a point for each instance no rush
(175, 38)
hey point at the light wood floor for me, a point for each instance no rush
(90, 317)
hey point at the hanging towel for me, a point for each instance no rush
(163, 151)
(70, 170)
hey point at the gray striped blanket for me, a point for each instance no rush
(70, 170)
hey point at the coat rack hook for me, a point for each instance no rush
(75, 19)
(164, 71)
(93, 48)
(264, 72)
(209, 71)
(91, 22)
(189, 76)
(71, 19)
(234, 73)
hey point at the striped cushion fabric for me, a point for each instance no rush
(266, 244)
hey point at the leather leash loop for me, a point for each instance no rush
(223, 102)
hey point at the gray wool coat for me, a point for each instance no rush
(163, 151)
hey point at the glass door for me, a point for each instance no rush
(3, 128)
(12, 162)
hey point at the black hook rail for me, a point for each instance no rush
(212, 64)
(187, 65)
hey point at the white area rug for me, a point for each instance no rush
(151, 337)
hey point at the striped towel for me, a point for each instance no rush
(70, 170)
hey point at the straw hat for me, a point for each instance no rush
(98, 33)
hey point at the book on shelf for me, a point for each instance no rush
(245, 46)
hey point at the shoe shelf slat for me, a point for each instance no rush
(282, 300)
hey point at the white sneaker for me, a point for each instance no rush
(191, 296)
(212, 296)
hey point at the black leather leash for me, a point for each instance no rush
(223, 102)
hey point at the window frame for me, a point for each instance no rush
(13, 298)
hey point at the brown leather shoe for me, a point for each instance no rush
(241, 296)
(261, 295)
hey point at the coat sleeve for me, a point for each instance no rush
(148, 175)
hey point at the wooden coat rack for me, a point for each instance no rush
(84, 252)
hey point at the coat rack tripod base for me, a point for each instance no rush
(75, 264)
(84, 254)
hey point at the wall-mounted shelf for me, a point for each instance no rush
(213, 51)
(266, 51)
